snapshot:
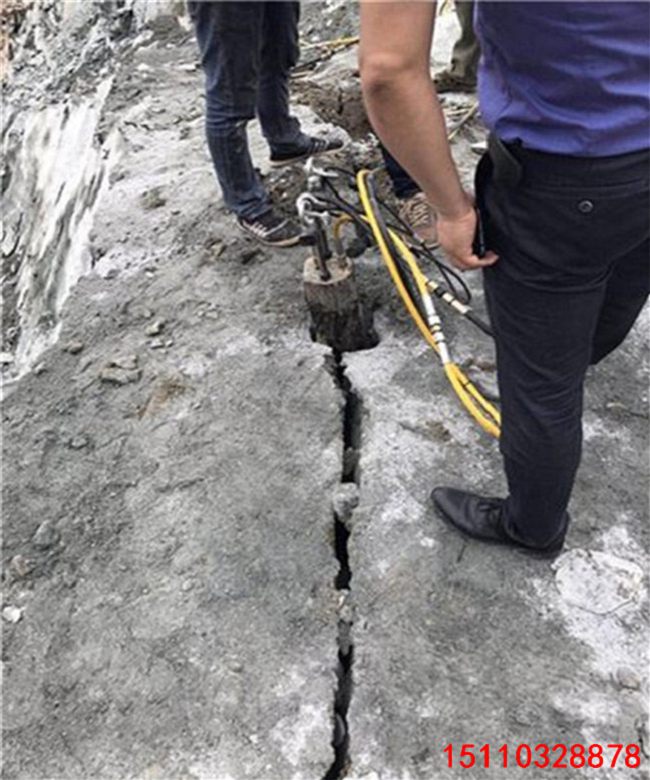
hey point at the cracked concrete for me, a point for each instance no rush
(458, 642)
(222, 564)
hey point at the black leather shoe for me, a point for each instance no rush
(481, 518)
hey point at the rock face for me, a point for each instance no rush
(221, 562)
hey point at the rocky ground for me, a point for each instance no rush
(220, 562)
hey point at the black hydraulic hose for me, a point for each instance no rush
(346, 207)
(402, 268)
(404, 272)
(447, 272)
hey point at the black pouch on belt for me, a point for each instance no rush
(507, 168)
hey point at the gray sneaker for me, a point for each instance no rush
(271, 229)
(417, 213)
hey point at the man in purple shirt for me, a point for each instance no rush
(564, 197)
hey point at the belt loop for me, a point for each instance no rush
(507, 168)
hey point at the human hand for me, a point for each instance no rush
(456, 235)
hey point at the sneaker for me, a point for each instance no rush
(271, 229)
(482, 518)
(445, 81)
(315, 146)
(417, 213)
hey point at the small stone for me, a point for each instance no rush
(74, 347)
(121, 370)
(157, 343)
(153, 199)
(78, 442)
(20, 567)
(12, 614)
(345, 501)
(46, 536)
(155, 328)
(119, 376)
(6, 358)
(626, 678)
(188, 67)
(616, 406)
(340, 730)
(216, 250)
(127, 362)
(39, 369)
(187, 586)
(350, 462)
(236, 666)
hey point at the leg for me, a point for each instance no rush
(278, 55)
(403, 184)
(229, 35)
(543, 340)
(563, 283)
(466, 52)
(626, 293)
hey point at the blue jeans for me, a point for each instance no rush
(403, 184)
(247, 50)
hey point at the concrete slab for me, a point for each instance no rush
(458, 642)
(169, 470)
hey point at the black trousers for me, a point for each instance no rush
(572, 235)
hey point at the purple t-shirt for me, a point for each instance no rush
(566, 77)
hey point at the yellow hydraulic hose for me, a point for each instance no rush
(334, 43)
(423, 285)
(476, 404)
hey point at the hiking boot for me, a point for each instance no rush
(315, 146)
(271, 229)
(445, 81)
(482, 518)
(417, 213)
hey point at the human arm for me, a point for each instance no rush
(405, 112)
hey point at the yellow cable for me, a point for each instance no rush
(467, 392)
(423, 282)
(331, 44)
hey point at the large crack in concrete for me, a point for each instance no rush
(344, 504)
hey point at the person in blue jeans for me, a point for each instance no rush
(247, 51)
